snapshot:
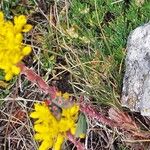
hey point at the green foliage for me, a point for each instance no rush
(6, 6)
(98, 31)
(16, 7)
(81, 125)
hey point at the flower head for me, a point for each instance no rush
(50, 131)
(12, 50)
(65, 95)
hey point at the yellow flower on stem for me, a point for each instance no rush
(58, 143)
(12, 50)
(65, 95)
(50, 131)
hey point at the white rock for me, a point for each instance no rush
(136, 83)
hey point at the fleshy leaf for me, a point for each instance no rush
(81, 125)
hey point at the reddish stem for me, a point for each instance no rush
(36, 79)
(78, 144)
(89, 111)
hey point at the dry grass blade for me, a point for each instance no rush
(16, 132)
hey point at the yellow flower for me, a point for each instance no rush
(58, 143)
(65, 96)
(82, 136)
(1, 17)
(27, 28)
(46, 126)
(12, 50)
(71, 113)
(42, 113)
(59, 94)
(50, 131)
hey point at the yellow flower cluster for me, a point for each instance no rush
(50, 131)
(12, 50)
(65, 95)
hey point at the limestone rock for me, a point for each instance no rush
(136, 83)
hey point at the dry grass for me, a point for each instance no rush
(16, 130)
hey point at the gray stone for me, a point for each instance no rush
(136, 83)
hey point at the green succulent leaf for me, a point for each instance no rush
(81, 125)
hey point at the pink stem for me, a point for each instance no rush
(36, 79)
(89, 111)
(124, 123)
(78, 144)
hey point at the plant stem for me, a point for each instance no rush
(78, 144)
(89, 111)
(36, 79)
